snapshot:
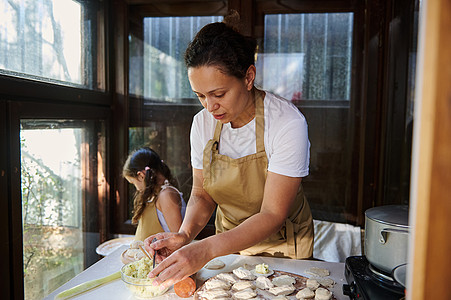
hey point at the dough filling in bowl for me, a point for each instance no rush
(134, 275)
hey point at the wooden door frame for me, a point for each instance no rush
(430, 245)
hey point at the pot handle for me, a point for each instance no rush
(385, 231)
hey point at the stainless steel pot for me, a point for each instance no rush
(386, 236)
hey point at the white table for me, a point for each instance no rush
(117, 289)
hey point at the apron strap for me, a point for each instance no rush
(210, 149)
(259, 124)
(217, 133)
(259, 120)
(207, 157)
(291, 242)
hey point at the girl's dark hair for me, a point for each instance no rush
(222, 46)
(137, 161)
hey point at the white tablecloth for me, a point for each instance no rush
(118, 290)
(336, 241)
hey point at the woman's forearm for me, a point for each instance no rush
(199, 208)
(198, 213)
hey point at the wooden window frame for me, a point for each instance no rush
(26, 98)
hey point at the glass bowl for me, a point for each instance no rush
(141, 288)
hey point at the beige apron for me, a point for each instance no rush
(148, 223)
(237, 186)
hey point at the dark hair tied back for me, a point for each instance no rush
(221, 45)
(148, 161)
(233, 20)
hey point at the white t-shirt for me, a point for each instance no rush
(286, 138)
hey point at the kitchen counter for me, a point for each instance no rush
(118, 290)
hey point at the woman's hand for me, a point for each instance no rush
(180, 264)
(166, 243)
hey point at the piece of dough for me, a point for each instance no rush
(312, 284)
(133, 253)
(263, 283)
(226, 277)
(215, 264)
(242, 285)
(327, 282)
(214, 294)
(282, 290)
(305, 293)
(320, 272)
(245, 294)
(136, 243)
(243, 273)
(323, 294)
(217, 284)
(283, 280)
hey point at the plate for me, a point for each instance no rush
(107, 247)
(399, 274)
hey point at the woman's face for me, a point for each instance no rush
(227, 98)
(137, 181)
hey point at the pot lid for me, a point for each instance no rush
(397, 215)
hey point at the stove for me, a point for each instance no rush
(367, 282)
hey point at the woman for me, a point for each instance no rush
(249, 152)
(158, 204)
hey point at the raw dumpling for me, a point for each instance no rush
(226, 277)
(242, 285)
(320, 272)
(312, 284)
(214, 294)
(243, 273)
(305, 293)
(327, 282)
(217, 284)
(245, 294)
(263, 283)
(323, 294)
(283, 280)
(215, 264)
(282, 290)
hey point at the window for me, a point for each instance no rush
(310, 53)
(55, 164)
(163, 104)
(51, 40)
(163, 76)
(306, 58)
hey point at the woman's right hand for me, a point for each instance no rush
(181, 263)
(166, 243)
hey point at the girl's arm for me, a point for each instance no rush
(199, 209)
(170, 204)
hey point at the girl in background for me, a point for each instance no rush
(158, 204)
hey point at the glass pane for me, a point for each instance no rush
(311, 57)
(163, 76)
(158, 74)
(44, 40)
(310, 53)
(53, 171)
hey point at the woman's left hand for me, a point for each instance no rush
(179, 265)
